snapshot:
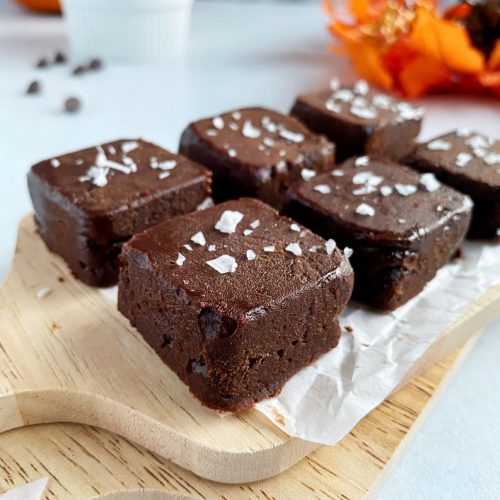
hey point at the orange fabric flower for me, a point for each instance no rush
(413, 50)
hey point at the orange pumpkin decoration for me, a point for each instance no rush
(41, 5)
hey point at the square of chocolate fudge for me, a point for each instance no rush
(470, 162)
(361, 120)
(256, 152)
(402, 226)
(88, 203)
(235, 299)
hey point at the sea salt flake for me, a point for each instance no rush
(199, 238)
(478, 141)
(180, 259)
(348, 252)
(43, 292)
(234, 126)
(382, 101)
(295, 227)
(210, 132)
(429, 182)
(365, 209)
(211, 248)
(364, 113)
(231, 152)
(187, 246)
(366, 189)
(307, 173)
(206, 203)
(338, 172)
(281, 167)
(250, 131)
(480, 152)
(111, 150)
(401, 221)
(330, 246)
(255, 224)
(386, 190)
(334, 83)
(269, 248)
(462, 159)
(362, 161)
(344, 95)
(360, 102)
(294, 248)
(408, 112)
(405, 189)
(236, 115)
(228, 221)
(439, 145)
(368, 178)
(291, 136)
(314, 248)
(492, 159)
(333, 106)
(55, 163)
(322, 188)
(166, 165)
(251, 255)
(223, 264)
(247, 232)
(163, 175)
(361, 87)
(218, 122)
(267, 141)
(127, 147)
(463, 132)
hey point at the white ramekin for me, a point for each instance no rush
(138, 31)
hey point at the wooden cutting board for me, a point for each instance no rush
(69, 356)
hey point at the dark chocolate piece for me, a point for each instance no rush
(34, 87)
(361, 120)
(235, 300)
(256, 152)
(470, 162)
(402, 226)
(88, 203)
(60, 57)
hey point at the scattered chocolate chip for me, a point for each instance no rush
(42, 63)
(34, 87)
(60, 57)
(95, 64)
(79, 70)
(72, 104)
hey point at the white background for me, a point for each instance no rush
(240, 54)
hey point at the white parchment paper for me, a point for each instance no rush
(324, 401)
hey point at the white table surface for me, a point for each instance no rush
(240, 54)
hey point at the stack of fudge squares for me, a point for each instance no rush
(235, 257)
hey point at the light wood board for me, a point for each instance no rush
(86, 462)
(71, 357)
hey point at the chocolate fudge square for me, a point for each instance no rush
(235, 300)
(361, 120)
(88, 203)
(256, 152)
(470, 162)
(402, 226)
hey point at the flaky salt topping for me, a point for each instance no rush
(361, 106)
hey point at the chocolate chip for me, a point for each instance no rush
(34, 87)
(42, 63)
(79, 70)
(60, 57)
(95, 64)
(72, 104)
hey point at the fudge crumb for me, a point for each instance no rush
(60, 57)
(72, 105)
(43, 62)
(33, 88)
(223, 264)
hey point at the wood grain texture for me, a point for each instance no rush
(86, 462)
(70, 356)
